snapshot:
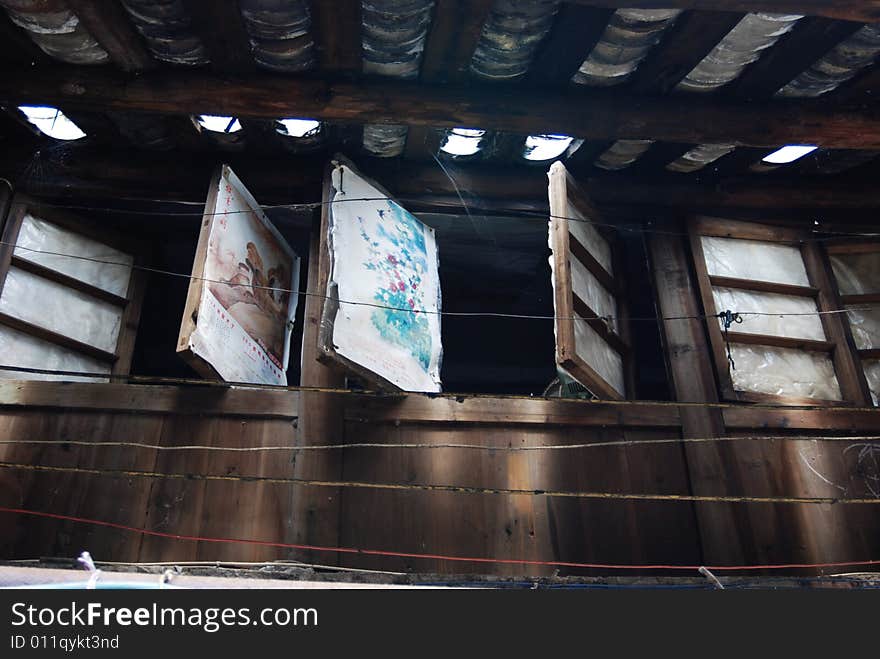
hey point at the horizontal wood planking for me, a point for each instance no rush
(836, 420)
(151, 399)
(424, 409)
(584, 113)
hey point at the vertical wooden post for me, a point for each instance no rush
(314, 512)
(693, 381)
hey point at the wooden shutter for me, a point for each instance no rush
(589, 307)
(69, 297)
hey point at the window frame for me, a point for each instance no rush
(131, 304)
(838, 343)
(850, 246)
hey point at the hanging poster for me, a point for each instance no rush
(382, 318)
(242, 297)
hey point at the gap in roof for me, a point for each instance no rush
(52, 122)
(218, 124)
(789, 153)
(293, 127)
(462, 141)
(546, 147)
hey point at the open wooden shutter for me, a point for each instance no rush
(243, 292)
(381, 318)
(589, 311)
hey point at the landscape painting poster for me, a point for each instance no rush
(385, 287)
(243, 298)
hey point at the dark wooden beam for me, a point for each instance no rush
(452, 39)
(111, 27)
(809, 41)
(590, 114)
(120, 174)
(576, 31)
(336, 28)
(218, 23)
(850, 10)
(694, 35)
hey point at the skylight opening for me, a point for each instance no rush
(218, 124)
(52, 122)
(546, 147)
(463, 141)
(298, 127)
(789, 153)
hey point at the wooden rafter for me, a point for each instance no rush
(218, 23)
(591, 114)
(336, 28)
(452, 39)
(693, 36)
(111, 27)
(576, 31)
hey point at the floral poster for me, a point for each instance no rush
(384, 267)
(248, 297)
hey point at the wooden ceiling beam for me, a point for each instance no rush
(864, 11)
(110, 26)
(92, 173)
(589, 114)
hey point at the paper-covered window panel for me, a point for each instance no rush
(583, 230)
(74, 255)
(797, 317)
(857, 274)
(864, 322)
(872, 375)
(754, 259)
(585, 286)
(602, 358)
(784, 372)
(61, 309)
(24, 351)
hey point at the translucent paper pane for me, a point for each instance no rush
(754, 259)
(61, 309)
(872, 374)
(603, 359)
(19, 349)
(37, 234)
(796, 327)
(857, 274)
(587, 236)
(784, 372)
(865, 326)
(588, 289)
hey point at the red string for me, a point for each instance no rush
(440, 557)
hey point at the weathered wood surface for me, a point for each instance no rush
(589, 114)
